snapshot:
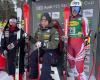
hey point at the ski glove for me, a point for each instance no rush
(5, 53)
(38, 44)
(43, 44)
(10, 46)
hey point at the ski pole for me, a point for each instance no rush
(38, 65)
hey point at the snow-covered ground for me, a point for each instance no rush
(92, 78)
(55, 75)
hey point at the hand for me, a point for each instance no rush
(10, 46)
(43, 44)
(86, 41)
(38, 44)
(65, 39)
(25, 35)
(4, 54)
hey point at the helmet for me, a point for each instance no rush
(76, 3)
(76, 6)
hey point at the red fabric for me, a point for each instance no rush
(66, 20)
(26, 17)
(71, 63)
(60, 32)
(2, 62)
(98, 73)
(80, 66)
(76, 16)
(12, 28)
(77, 78)
(74, 46)
(83, 27)
(20, 76)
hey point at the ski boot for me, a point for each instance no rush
(81, 76)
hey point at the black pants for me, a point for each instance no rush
(21, 62)
(46, 66)
(22, 56)
(11, 62)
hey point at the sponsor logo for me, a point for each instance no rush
(74, 23)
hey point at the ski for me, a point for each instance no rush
(66, 20)
(19, 17)
(26, 13)
(26, 17)
(66, 25)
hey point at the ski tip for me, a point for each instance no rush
(67, 8)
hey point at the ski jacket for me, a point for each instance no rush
(49, 36)
(78, 27)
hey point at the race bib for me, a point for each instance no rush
(72, 30)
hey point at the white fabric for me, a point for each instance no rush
(76, 3)
(5, 76)
(86, 25)
(0, 38)
(18, 34)
(75, 72)
(13, 20)
(71, 76)
(80, 55)
(70, 57)
(10, 46)
(38, 44)
(25, 34)
(83, 76)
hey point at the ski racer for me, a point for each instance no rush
(78, 30)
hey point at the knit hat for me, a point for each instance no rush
(46, 16)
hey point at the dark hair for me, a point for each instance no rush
(6, 25)
(13, 17)
(47, 16)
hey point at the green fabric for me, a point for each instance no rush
(75, 29)
(48, 35)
